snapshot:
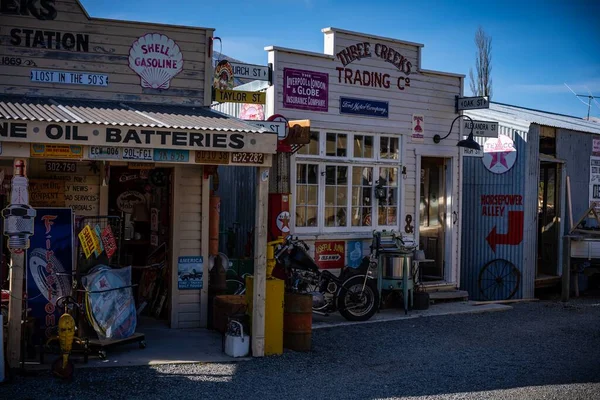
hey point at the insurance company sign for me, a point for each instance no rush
(135, 137)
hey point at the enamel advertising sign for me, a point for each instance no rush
(305, 90)
(156, 59)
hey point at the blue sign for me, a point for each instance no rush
(189, 271)
(49, 268)
(354, 252)
(370, 108)
(168, 155)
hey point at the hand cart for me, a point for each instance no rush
(395, 261)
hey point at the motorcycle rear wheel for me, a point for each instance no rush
(369, 298)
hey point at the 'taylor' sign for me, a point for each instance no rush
(97, 135)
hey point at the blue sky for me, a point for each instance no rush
(537, 47)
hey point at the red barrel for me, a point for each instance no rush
(297, 321)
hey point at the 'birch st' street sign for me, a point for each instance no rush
(481, 128)
(250, 71)
(472, 103)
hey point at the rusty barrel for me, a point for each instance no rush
(297, 321)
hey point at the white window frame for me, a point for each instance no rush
(350, 161)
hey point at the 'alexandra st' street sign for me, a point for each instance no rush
(472, 103)
(481, 128)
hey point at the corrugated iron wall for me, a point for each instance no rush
(237, 190)
(576, 148)
(486, 225)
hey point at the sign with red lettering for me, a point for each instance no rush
(499, 154)
(418, 128)
(109, 242)
(497, 205)
(156, 59)
(330, 254)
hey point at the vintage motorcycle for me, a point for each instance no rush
(353, 293)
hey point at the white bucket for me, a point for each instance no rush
(237, 346)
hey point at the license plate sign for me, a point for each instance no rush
(212, 157)
(138, 154)
(247, 158)
(105, 152)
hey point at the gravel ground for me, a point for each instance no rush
(542, 350)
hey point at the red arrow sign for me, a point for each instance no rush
(514, 235)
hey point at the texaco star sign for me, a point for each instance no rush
(499, 155)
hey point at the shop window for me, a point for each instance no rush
(336, 195)
(363, 146)
(362, 196)
(307, 194)
(336, 145)
(388, 207)
(313, 148)
(388, 148)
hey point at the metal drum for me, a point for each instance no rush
(393, 266)
(297, 322)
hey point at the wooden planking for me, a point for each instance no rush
(109, 45)
(189, 197)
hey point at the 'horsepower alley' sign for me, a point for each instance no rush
(101, 135)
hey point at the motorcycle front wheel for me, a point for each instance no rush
(355, 304)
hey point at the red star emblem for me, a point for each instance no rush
(499, 157)
(285, 222)
(103, 284)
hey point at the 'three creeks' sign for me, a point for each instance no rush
(373, 78)
(305, 90)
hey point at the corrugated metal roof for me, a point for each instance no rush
(116, 113)
(528, 116)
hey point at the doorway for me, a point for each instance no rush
(432, 217)
(548, 219)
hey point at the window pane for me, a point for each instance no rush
(393, 153)
(313, 174)
(301, 173)
(330, 195)
(313, 147)
(358, 146)
(384, 147)
(330, 148)
(342, 175)
(342, 145)
(329, 216)
(368, 147)
(342, 196)
(301, 194)
(312, 196)
(340, 216)
(330, 175)
(306, 194)
(300, 216)
(311, 216)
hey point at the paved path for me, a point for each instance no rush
(540, 350)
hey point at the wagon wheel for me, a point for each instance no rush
(499, 280)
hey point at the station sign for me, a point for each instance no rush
(472, 103)
(250, 71)
(481, 128)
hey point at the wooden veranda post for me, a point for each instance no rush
(260, 263)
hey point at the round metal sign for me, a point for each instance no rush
(499, 154)
(281, 118)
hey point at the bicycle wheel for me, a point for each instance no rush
(499, 279)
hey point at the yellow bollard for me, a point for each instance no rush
(271, 256)
(273, 313)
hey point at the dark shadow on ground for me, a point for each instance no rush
(536, 344)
